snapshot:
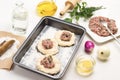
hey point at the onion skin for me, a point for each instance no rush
(89, 46)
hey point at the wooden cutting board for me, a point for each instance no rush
(7, 62)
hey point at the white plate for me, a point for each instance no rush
(111, 12)
(97, 38)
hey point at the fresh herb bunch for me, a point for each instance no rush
(82, 11)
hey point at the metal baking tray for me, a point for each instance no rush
(27, 54)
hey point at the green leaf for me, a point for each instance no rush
(78, 5)
(73, 13)
(68, 20)
(82, 11)
(84, 4)
(77, 17)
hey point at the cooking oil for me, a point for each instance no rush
(46, 8)
(85, 65)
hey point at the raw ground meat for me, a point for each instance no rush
(95, 25)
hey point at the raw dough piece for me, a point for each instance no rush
(48, 51)
(66, 42)
(50, 70)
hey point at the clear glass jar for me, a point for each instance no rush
(85, 65)
(19, 19)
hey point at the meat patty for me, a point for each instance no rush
(66, 36)
(47, 44)
(47, 62)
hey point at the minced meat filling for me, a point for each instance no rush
(47, 62)
(47, 44)
(95, 25)
(66, 36)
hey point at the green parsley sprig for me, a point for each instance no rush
(82, 11)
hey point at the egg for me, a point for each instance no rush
(103, 53)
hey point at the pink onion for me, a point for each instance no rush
(89, 46)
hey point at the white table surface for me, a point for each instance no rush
(109, 70)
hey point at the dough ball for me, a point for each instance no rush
(65, 38)
(53, 69)
(48, 46)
